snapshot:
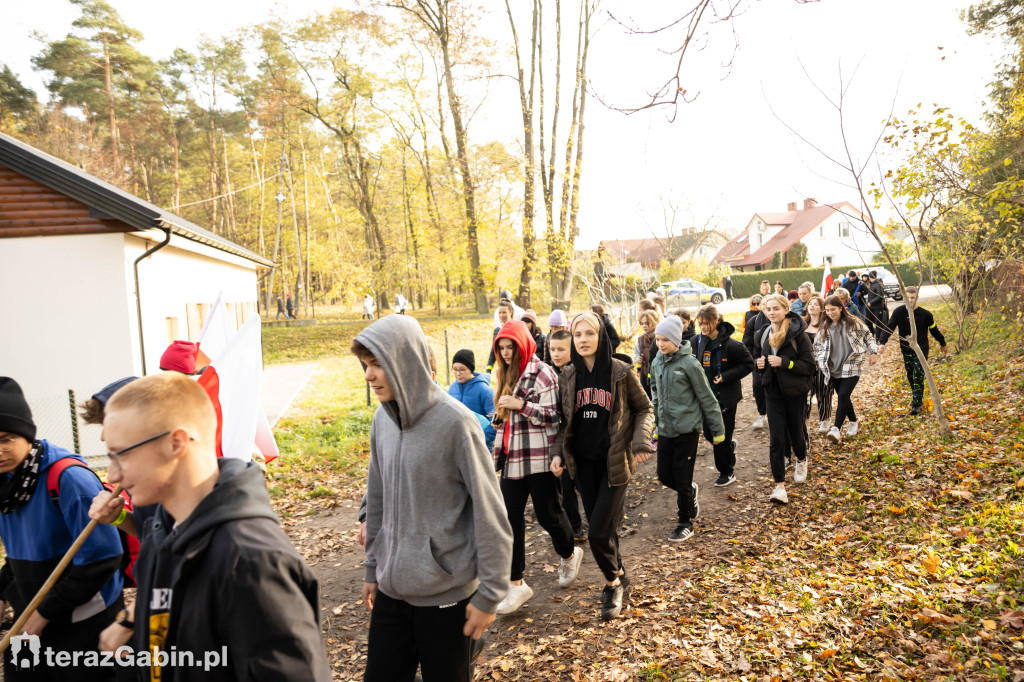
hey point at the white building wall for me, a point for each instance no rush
(182, 274)
(826, 241)
(66, 324)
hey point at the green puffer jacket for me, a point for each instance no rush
(630, 424)
(682, 397)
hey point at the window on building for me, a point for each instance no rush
(821, 230)
(172, 329)
(844, 230)
(829, 260)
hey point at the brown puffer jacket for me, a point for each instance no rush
(630, 424)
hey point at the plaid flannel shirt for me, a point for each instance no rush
(535, 427)
(861, 342)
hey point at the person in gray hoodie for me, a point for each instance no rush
(438, 542)
(683, 402)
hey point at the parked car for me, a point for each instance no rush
(681, 286)
(889, 283)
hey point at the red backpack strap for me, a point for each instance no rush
(53, 476)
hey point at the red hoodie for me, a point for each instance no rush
(520, 335)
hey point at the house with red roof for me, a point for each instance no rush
(833, 233)
(644, 256)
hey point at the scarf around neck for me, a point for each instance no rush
(21, 483)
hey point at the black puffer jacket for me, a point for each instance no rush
(752, 328)
(793, 377)
(227, 578)
(730, 358)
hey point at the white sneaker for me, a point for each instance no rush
(569, 568)
(779, 495)
(834, 435)
(852, 428)
(800, 473)
(824, 426)
(516, 597)
(759, 424)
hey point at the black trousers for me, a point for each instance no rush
(403, 636)
(759, 399)
(546, 492)
(603, 505)
(725, 456)
(677, 456)
(570, 502)
(73, 637)
(786, 430)
(844, 389)
(915, 375)
(875, 319)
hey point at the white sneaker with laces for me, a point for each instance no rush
(779, 495)
(852, 428)
(800, 473)
(759, 424)
(824, 426)
(516, 597)
(834, 435)
(569, 568)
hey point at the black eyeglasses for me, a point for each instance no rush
(114, 455)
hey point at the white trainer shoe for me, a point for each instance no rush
(834, 435)
(852, 428)
(569, 568)
(516, 597)
(800, 473)
(760, 423)
(779, 495)
(825, 424)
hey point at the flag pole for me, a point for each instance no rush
(51, 581)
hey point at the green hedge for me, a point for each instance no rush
(746, 284)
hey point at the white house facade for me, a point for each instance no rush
(833, 233)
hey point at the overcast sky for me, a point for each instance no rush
(726, 155)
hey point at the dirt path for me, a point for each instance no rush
(329, 541)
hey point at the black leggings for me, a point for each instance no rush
(786, 429)
(844, 389)
(603, 505)
(546, 491)
(570, 503)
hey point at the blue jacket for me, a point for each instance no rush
(37, 535)
(476, 394)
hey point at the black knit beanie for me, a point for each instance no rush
(465, 357)
(15, 414)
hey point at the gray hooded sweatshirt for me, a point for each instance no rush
(436, 525)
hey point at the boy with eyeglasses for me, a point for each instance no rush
(215, 571)
(37, 531)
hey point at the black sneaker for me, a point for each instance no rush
(578, 535)
(724, 480)
(915, 410)
(696, 503)
(611, 601)
(789, 462)
(680, 534)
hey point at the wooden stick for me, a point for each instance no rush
(50, 582)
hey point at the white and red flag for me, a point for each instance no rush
(232, 380)
(826, 279)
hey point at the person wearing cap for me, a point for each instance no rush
(473, 389)
(556, 320)
(683, 402)
(37, 531)
(530, 320)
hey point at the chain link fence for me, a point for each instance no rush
(56, 419)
